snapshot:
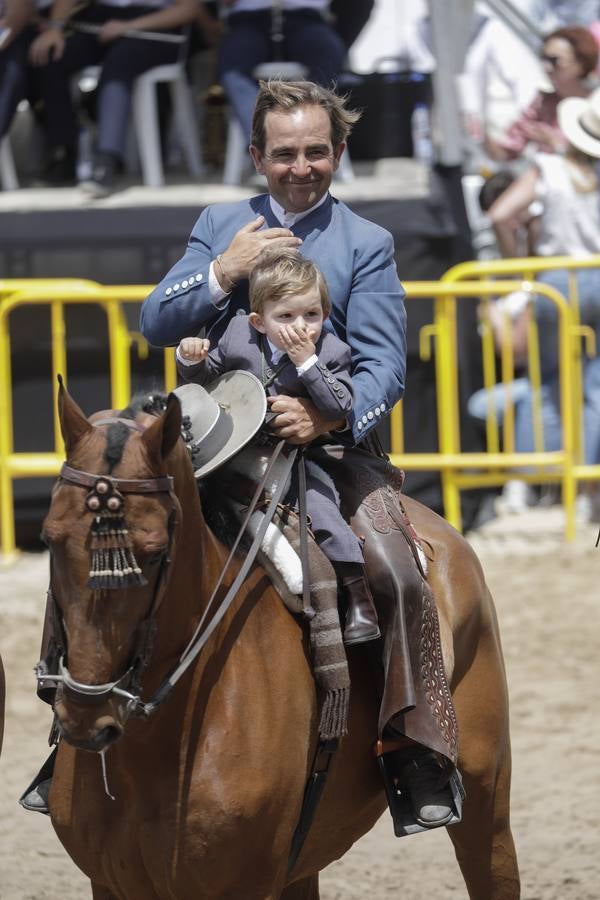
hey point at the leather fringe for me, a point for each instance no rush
(334, 714)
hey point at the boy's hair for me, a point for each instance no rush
(282, 273)
(284, 96)
(493, 186)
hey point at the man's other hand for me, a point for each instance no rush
(297, 420)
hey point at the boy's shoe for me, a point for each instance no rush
(102, 181)
(361, 623)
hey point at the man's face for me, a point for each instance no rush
(298, 160)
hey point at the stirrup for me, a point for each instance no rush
(35, 797)
(399, 802)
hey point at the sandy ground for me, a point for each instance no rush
(549, 610)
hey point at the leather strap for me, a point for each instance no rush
(303, 525)
(200, 637)
(124, 485)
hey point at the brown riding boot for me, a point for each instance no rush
(361, 616)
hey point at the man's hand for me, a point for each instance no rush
(194, 349)
(49, 45)
(298, 420)
(240, 256)
(297, 343)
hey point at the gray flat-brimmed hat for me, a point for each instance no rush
(579, 121)
(222, 417)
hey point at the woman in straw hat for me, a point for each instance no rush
(567, 184)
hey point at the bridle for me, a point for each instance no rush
(106, 492)
(127, 688)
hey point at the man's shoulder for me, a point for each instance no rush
(359, 225)
(243, 210)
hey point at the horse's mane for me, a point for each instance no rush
(155, 404)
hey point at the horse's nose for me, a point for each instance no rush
(106, 736)
(100, 739)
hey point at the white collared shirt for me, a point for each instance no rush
(285, 219)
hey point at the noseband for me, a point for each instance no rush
(113, 567)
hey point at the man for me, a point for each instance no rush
(298, 137)
(299, 132)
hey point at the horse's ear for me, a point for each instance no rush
(163, 434)
(73, 423)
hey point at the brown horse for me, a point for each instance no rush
(206, 793)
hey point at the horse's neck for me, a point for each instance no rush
(195, 565)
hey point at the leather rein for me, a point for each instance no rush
(127, 688)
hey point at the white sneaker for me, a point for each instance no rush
(517, 496)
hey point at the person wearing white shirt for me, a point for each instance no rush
(307, 38)
(102, 34)
(17, 31)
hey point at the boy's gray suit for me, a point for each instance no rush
(329, 386)
(357, 260)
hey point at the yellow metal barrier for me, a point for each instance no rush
(56, 294)
(458, 470)
(527, 269)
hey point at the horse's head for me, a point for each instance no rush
(111, 529)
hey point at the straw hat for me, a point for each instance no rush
(223, 417)
(579, 120)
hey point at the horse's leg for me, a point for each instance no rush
(305, 889)
(483, 841)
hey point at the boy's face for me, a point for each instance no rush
(302, 312)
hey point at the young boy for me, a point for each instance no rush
(282, 342)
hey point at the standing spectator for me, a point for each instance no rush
(307, 37)
(100, 36)
(569, 56)
(568, 187)
(500, 78)
(17, 31)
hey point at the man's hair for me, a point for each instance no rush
(278, 274)
(583, 43)
(283, 96)
(493, 186)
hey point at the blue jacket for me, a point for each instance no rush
(357, 258)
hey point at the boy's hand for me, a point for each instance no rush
(194, 349)
(297, 343)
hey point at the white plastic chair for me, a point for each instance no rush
(147, 129)
(146, 121)
(8, 172)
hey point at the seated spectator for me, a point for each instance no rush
(18, 28)
(568, 187)
(307, 38)
(101, 34)
(525, 223)
(569, 57)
